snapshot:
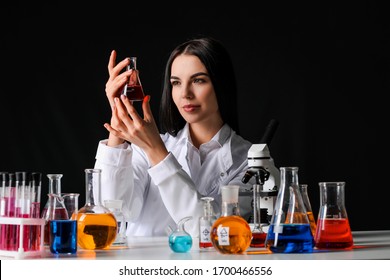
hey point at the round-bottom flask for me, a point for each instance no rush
(96, 225)
(230, 233)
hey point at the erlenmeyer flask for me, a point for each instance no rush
(180, 241)
(133, 88)
(333, 229)
(96, 225)
(60, 210)
(289, 231)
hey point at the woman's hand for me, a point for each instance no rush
(114, 87)
(127, 124)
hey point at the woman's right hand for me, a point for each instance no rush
(114, 87)
(116, 80)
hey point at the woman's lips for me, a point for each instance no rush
(190, 108)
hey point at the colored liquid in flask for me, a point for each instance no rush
(96, 231)
(333, 234)
(295, 238)
(180, 243)
(59, 214)
(238, 235)
(63, 235)
(258, 239)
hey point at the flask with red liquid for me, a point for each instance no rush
(133, 88)
(333, 229)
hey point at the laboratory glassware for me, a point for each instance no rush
(180, 241)
(230, 233)
(133, 88)
(206, 222)
(333, 229)
(289, 231)
(96, 225)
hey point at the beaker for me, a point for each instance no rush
(96, 225)
(115, 206)
(71, 202)
(230, 233)
(180, 241)
(333, 229)
(62, 229)
(133, 88)
(289, 231)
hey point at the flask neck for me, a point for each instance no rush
(92, 184)
(230, 209)
(54, 183)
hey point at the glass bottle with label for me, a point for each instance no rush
(230, 233)
(96, 225)
(205, 223)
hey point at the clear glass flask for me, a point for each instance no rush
(289, 231)
(60, 210)
(206, 222)
(258, 235)
(115, 206)
(309, 210)
(133, 88)
(333, 229)
(96, 225)
(230, 233)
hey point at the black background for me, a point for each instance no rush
(322, 71)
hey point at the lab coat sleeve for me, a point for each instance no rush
(178, 192)
(118, 177)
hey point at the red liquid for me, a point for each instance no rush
(60, 214)
(333, 234)
(134, 92)
(205, 244)
(258, 239)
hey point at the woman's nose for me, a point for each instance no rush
(187, 93)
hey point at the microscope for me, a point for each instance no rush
(264, 178)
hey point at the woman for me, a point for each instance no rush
(161, 177)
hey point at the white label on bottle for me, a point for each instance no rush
(205, 234)
(223, 236)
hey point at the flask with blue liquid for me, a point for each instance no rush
(289, 231)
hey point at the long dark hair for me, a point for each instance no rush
(219, 66)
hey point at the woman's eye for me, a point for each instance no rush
(174, 83)
(198, 81)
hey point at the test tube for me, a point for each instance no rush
(4, 181)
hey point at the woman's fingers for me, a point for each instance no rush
(148, 115)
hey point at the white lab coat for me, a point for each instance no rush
(159, 196)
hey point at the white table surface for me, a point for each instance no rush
(367, 245)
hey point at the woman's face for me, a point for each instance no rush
(192, 90)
